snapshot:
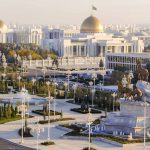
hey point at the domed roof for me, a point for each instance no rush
(2, 25)
(91, 25)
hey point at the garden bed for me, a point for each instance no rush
(81, 111)
(55, 120)
(48, 143)
(41, 112)
(26, 132)
(76, 131)
(86, 148)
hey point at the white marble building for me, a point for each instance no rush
(19, 35)
(6, 35)
(90, 42)
(126, 59)
(27, 35)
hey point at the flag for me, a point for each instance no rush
(94, 8)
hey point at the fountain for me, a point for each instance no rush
(29, 99)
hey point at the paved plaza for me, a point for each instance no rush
(9, 131)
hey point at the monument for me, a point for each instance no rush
(134, 115)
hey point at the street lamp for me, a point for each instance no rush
(100, 85)
(89, 123)
(114, 95)
(55, 85)
(94, 76)
(33, 82)
(38, 130)
(77, 69)
(4, 66)
(65, 84)
(145, 109)
(74, 88)
(23, 95)
(44, 72)
(103, 75)
(91, 83)
(4, 62)
(3, 76)
(68, 76)
(19, 78)
(15, 56)
(49, 98)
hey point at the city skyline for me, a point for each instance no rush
(73, 12)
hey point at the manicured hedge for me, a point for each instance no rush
(56, 120)
(86, 148)
(79, 110)
(26, 132)
(48, 143)
(40, 112)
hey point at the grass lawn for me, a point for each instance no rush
(5, 120)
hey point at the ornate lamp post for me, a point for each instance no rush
(65, 84)
(18, 59)
(44, 73)
(55, 93)
(33, 83)
(145, 109)
(19, 78)
(68, 76)
(74, 88)
(114, 95)
(38, 130)
(91, 83)
(89, 122)
(23, 91)
(3, 76)
(49, 109)
(94, 76)
(77, 69)
(15, 57)
(0, 56)
(4, 62)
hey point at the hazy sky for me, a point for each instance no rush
(74, 11)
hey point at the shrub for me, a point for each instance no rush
(47, 143)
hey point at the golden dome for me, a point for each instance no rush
(2, 25)
(91, 25)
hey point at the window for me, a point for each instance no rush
(129, 49)
(122, 49)
(98, 50)
(74, 50)
(82, 50)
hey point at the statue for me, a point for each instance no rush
(125, 88)
(144, 87)
(142, 73)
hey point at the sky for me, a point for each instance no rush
(56, 12)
